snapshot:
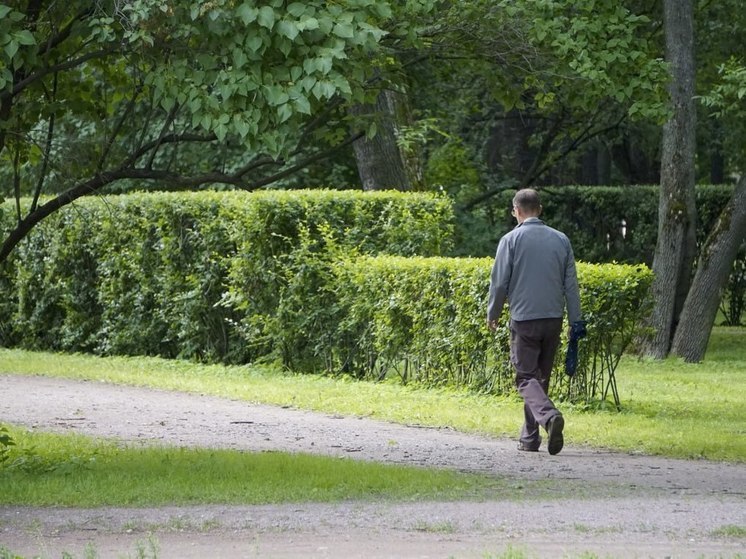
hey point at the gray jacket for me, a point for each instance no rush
(534, 271)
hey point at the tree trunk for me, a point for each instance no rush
(380, 162)
(715, 263)
(676, 246)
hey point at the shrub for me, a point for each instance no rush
(195, 275)
(424, 321)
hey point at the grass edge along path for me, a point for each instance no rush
(670, 408)
(71, 470)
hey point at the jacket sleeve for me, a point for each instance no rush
(499, 280)
(572, 291)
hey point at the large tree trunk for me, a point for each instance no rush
(676, 246)
(715, 263)
(380, 161)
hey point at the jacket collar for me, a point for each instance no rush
(531, 221)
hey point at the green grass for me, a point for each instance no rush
(731, 531)
(72, 470)
(670, 408)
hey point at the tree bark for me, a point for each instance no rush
(715, 263)
(380, 163)
(676, 247)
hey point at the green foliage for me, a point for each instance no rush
(613, 223)
(289, 275)
(6, 444)
(194, 275)
(18, 454)
(239, 70)
(530, 86)
(591, 51)
(613, 300)
(727, 102)
(422, 320)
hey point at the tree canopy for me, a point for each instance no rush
(186, 93)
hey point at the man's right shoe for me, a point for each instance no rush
(525, 448)
(554, 428)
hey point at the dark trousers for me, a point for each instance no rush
(533, 345)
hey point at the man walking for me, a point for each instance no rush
(534, 271)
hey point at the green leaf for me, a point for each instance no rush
(343, 30)
(266, 17)
(254, 43)
(11, 49)
(239, 58)
(25, 37)
(275, 95)
(288, 29)
(302, 104)
(240, 125)
(297, 9)
(308, 24)
(220, 131)
(247, 13)
(284, 112)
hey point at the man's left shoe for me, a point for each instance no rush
(554, 428)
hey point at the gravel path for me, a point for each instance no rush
(611, 504)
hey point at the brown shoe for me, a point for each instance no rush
(554, 428)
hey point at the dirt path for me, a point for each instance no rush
(611, 504)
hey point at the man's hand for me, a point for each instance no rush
(492, 324)
(577, 330)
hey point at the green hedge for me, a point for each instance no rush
(196, 275)
(424, 320)
(343, 282)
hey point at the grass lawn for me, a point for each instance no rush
(76, 471)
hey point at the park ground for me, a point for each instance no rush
(594, 503)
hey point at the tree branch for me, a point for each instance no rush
(53, 42)
(168, 139)
(47, 150)
(159, 142)
(31, 78)
(118, 126)
(305, 162)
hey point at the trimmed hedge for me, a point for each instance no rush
(342, 282)
(424, 320)
(194, 275)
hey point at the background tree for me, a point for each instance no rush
(727, 101)
(186, 94)
(676, 246)
(536, 93)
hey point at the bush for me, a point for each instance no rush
(195, 275)
(423, 320)
(339, 282)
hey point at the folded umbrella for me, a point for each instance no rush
(577, 331)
